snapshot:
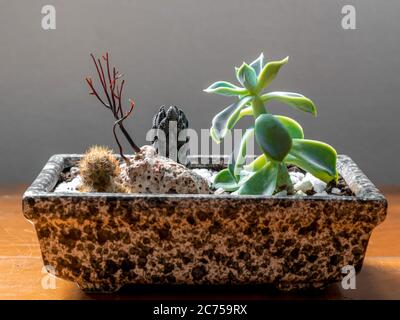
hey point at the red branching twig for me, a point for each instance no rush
(119, 122)
(112, 93)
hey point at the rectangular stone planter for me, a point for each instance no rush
(103, 241)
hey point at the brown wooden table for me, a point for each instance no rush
(21, 265)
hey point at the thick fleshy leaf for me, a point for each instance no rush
(292, 126)
(226, 89)
(225, 180)
(257, 64)
(257, 163)
(225, 120)
(315, 157)
(269, 72)
(248, 111)
(247, 76)
(262, 182)
(283, 181)
(295, 100)
(238, 157)
(272, 137)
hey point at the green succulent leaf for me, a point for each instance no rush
(258, 64)
(269, 72)
(272, 137)
(226, 119)
(225, 180)
(315, 157)
(238, 157)
(283, 181)
(293, 127)
(295, 100)
(262, 182)
(247, 76)
(257, 163)
(226, 89)
(248, 111)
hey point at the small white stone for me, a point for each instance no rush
(74, 171)
(323, 193)
(70, 186)
(282, 193)
(300, 193)
(303, 185)
(294, 178)
(336, 191)
(219, 191)
(318, 185)
(299, 175)
(206, 174)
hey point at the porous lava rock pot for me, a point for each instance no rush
(103, 241)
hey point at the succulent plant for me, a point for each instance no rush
(162, 120)
(99, 170)
(280, 138)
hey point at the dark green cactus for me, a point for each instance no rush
(175, 119)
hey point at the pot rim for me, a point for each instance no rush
(47, 179)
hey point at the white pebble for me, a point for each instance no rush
(282, 193)
(297, 174)
(318, 185)
(336, 191)
(74, 171)
(300, 193)
(205, 173)
(303, 185)
(294, 178)
(323, 193)
(70, 186)
(219, 191)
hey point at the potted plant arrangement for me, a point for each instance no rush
(292, 217)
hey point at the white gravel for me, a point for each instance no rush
(301, 183)
(305, 183)
(300, 193)
(220, 191)
(70, 186)
(282, 193)
(205, 173)
(318, 185)
(323, 193)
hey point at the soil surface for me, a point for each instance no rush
(67, 176)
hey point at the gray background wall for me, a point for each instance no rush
(170, 50)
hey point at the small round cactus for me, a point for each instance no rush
(100, 170)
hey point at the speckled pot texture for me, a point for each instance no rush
(103, 241)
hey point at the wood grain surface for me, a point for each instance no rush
(22, 275)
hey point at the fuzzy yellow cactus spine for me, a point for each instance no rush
(99, 170)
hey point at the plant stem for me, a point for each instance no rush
(128, 137)
(258, 107)
(114, 97)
